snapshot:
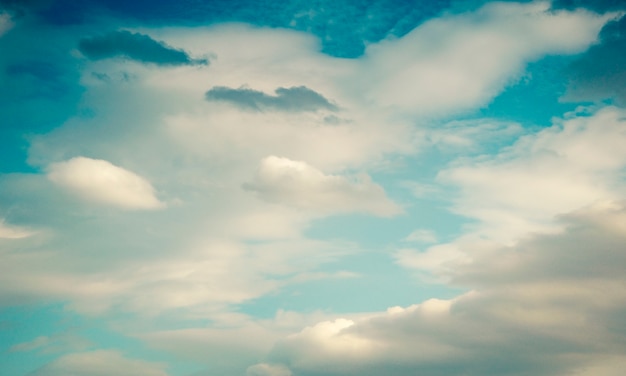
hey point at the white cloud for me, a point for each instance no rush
(296, 183)
(197, 260)
(524, 188)
(101, 181)
(458, 62)
(525, 315)
(100, 363)
(572, 164)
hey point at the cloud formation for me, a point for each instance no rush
(569, 165)
(101, 181)
(298, 184)
(99, 363)
(524, 314)
(297, 98)
(134, 46)
(458, 62)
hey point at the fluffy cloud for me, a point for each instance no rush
(524, 315)
(559, 169)
(299, 98)
(101, 181)
(459, 62)
(296, 183)
(134, 46)
(99, 363)
(217, 246)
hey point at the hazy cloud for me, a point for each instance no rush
(297, 98)
(134, 46)
(99, 363)
(5, 22)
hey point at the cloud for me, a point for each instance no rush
(533, 309)
(562, 168)
(600, 72)
(100, 181)
(298, 184)
(99, 363)
(264, 369)
(459, 62)
(13, 232)
(134, 46)
(298, 98)
(60, 342)
(5, 22)
(218, 247)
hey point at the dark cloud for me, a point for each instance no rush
(134, 46)
(600, 73)
(297, 98)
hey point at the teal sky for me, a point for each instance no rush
(327, 188)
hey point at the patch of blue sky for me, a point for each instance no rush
(377, 284)
(537, 97)
(23, 324)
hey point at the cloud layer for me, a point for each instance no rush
(525, 315)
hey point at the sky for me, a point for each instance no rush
(312, 188)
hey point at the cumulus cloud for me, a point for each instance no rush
(297, 98)
(134, 46)
(99, 363)
(101, 181)
(296, 183)
(524, 315)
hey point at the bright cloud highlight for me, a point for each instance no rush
(103, 182)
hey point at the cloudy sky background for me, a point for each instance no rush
(259, 188)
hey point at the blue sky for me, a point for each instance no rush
(259, 188)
